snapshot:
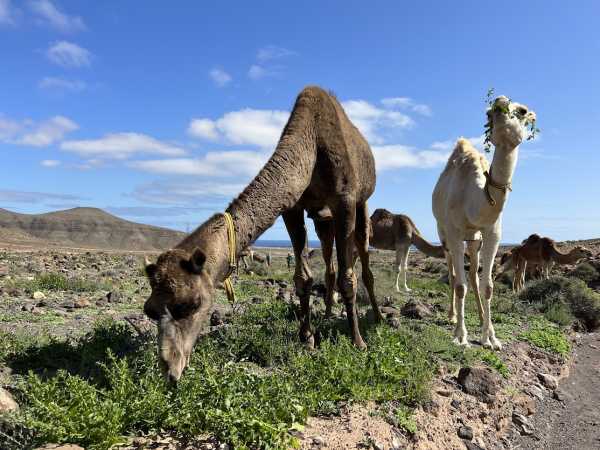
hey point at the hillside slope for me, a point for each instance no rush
(84, 227)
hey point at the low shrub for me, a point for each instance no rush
(557, 295)
(585, 272)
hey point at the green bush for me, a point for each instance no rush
(585, 272)
(548, 337)
(554, 296)
(58, 282)
(248, 384)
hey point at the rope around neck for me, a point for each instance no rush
(490, 182)
(232, 260)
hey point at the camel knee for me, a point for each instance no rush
(347, 284)
(460, 289)
(303, 283)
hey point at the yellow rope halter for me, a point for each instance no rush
(232, 257)
(490, 182)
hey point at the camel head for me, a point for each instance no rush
(182, 293)
(507, 121)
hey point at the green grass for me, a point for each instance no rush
(248, 384)
(51, 282)
(547, 336)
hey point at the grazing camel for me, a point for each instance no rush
(541, 252)
(398, 232)
(322, 164)
(467, 203)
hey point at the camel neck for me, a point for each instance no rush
(504, 164)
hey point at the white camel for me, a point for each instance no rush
(468, 200)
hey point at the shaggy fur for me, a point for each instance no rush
(322, 165)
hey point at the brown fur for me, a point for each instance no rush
(321, 164)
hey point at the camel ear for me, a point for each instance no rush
(196, 262)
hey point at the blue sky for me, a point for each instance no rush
(161, 114)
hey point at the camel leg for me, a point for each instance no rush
(452, 310)
(405, 269)
(491, 240)
(294, 222)
(361, 236)
(345, 223)
(457, 250)
(399, 266)
(326, 233)
(473, 248)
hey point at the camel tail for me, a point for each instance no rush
(437, 251)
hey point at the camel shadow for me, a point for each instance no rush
(82, 356)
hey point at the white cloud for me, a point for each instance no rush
(49, 14)
(6, 13)
(68, 54)
(390, 157)
(48, 132)
(61, 84)
(371, 120)
(220, 77)
(407, 103)
(185, 193)
(271, 52)
(257, 72)
(8, 128)
(50, 163)
(204, 129)
(257, 127)
(214, 164)
(33, 197)
(121, 146)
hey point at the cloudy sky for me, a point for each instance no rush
(161, 115)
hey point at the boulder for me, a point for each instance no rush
(479, 382)
(7, 402)
(38, 295)
(415, 310)
(548, 381)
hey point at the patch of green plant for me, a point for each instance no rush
(494, 361)
(583, 303)
(404, 419)
(547, 336)
(585, 272)
(248, 384)
(58, 282)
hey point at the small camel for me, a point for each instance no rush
(322, 164)
(467, 203)
(542, 252)
(398, 232)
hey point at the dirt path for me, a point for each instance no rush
(573, 420)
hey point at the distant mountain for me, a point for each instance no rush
(84, 228)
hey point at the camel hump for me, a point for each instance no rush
(533, 238)
(314, 91)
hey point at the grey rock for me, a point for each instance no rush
(522, 424)
(7, 402)
(479, 382)
(216, 319)
(548, 381)
(455, 404)
(465, 432)
(472, 446)
(415, 310)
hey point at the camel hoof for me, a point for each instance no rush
(360, 344)
(496, 344)
(461, 342)
(486, 343)
(407, 290)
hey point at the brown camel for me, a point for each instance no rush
(542, 252)
(322, 164)
(398, 232)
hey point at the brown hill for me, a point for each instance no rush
(84, 228)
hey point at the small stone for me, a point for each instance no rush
(7, 402)
(139, 442)
(216, 319)
(465, 432)
(377, 445)
(559, 395)
(81, 303)
(415, 310)
(38, 295)
(28, 308)
(319, 441)
(524, 404)
(396, 444)
(444, 392)
(114, 297)
(522, 424)
(479, 382)
(455, 404)
(394, 322)
(536, 392)
(472, 446)
(548, 381)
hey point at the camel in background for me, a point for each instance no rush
(398, 232)
(322, 165)
(541, 252)
(467, 203)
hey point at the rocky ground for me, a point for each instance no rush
(474, 409)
